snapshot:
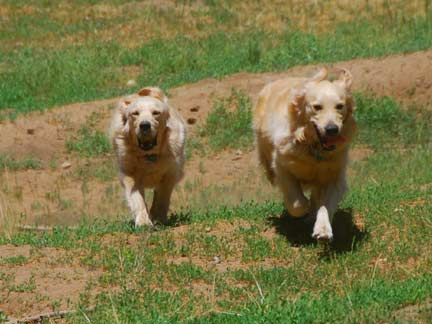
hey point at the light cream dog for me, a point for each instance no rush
(148, 136)
(303, 128)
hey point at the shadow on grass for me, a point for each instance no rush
(346, 234)
(177, 219)
(298, 231)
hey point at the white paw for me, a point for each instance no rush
(143, 220)
(322, 232)
(300, 135)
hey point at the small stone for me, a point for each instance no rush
(131, 83)
(195, 108)
(207, 229)
(30, 131)
(238, 152)
(66, 165)
(216, 260)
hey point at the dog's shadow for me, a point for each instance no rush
(346, 234)
(177, 219)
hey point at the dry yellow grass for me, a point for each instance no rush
(59, 24)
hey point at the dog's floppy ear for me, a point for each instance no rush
(350, 104)
(296, 105)
(346, 79)
(298, 98)
(123, 110)
(153, 92)
(320, 75)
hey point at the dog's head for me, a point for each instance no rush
(327, 107)
(145, 117)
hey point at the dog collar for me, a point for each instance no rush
(316, 151)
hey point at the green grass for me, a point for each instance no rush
(13, 164)
(90, 143)
(33, 79)
(105, 171)
(383, 122)
(19, 259)
(228, 125)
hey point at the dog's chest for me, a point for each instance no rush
(149, 168)
(312, 170)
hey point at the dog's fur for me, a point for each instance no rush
(289, 121)
(151, 156)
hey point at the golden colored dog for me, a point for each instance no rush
(303, 128)
(148, 136)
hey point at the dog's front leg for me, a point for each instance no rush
(136, 202)
(296, 203)
(326, 199)
(161, 199)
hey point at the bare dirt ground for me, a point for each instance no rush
(62, 195)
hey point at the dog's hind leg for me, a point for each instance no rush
(135, 199)
(326, 200)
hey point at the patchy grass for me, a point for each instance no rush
(267, 267)
(248, 263)
(228, 125)
(34, 79)
(106, 170)
(42, 23)
(242, 264)
(12, 164)
(383, 122)
(89, 143)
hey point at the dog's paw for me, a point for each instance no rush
(322, 232)
(142, 220)
(300, 135)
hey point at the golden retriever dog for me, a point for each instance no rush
(148, 136)
(303, 128)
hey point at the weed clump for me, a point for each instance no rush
(90, 143)
(228, 125)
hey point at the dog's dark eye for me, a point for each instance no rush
(135, 113)
(156, 113)
(340, 106)
(317, 107)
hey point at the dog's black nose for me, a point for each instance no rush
(331, 130)
(145, 126)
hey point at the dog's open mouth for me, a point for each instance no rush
(328, 143)
(147, 143)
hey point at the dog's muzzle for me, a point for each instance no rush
(147, 143)
(328, 143)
